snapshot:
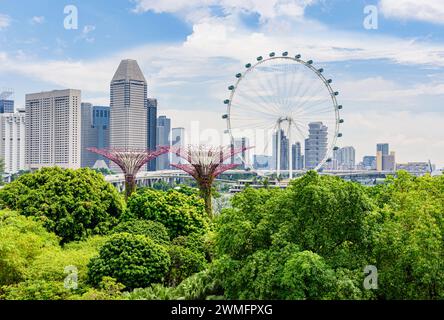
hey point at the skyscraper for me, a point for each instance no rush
(12, 141)
(177, 141)
(284, 150)
(298, 163)
(152, 130)
(389, 162)
(315, 144)
(383, 147)
(163, 139)
(345, 158)
(128, 114)
(242, 158)
(369, 162)
(6, 102)
(95, 133)
(6, 106)
(53, 124)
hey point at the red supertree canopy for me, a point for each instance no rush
(206, 162)
(130, 160)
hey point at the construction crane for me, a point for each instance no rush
(5, 94)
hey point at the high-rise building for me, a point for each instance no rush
(6, 106)
(389, 162)
(298, 163)
(12, 141)
(6, 101)
(369, 162)
(152, 130)
(242, 158)
(315, 144)
(177, 141)
(95, 133)
(128, 114)
(283, 148)
(163, 139)
(384, 148)
(345, 158)
(385, 160)
(53, 127)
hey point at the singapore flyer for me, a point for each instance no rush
(287, 109)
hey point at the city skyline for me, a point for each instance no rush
(389, 79)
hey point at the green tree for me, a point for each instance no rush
(21, 242)
(136, 261)
(71, 203)
(179, 213)
(155, 230)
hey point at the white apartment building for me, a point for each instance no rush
(53, 128)
(12, 141)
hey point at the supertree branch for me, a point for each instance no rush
(130, 160)
(205, 164)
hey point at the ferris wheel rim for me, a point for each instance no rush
(308, 64)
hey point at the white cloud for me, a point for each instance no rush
(5, 21)
(426, 10)
(37, 20)
(195, 10)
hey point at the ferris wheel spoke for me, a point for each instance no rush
(251, 111)
(270, 104)
(263, 105)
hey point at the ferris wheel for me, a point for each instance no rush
(287, 109)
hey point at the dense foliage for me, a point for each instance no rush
(136, 261)
(311, 240)
(73, 204)
(180, 213)
(155, 230)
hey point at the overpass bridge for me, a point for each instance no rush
(149, 178)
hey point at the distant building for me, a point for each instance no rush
(6, 106)
(177, 141)
(128, 108)
(316, 144)
(283, 150)
(298, 162)
(389, 162)
(53, 129)
(417, 168)
(344, 158)
(242, 159)
(152, 130)
(385, 160)
(369, 163)
(95, 133)
(163, 139)
(12, 141)
(384, 148)
(262, 162)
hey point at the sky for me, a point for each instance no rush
(390, 76)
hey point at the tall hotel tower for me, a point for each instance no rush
(128, 112)
(53, 129)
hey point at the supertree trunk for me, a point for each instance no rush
(207, 195)
(130, 185)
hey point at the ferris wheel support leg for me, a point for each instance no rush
(290, 153)
(278, 164)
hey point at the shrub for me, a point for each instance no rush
(184, 263)
(136, 261)
(21, 241)
(179, 213)
(155, 230)
(71, 203)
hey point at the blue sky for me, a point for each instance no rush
(391, 78)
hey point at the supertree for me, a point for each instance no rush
(205, 163)
(130, 160)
